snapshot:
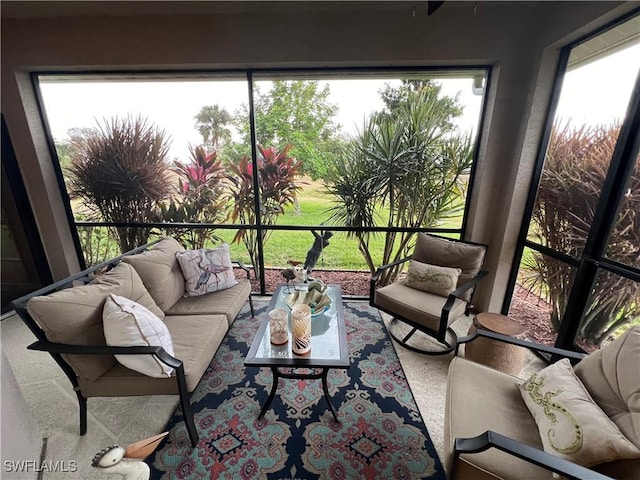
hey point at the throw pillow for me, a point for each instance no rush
(570, 423)
(432, 278)
(127, 323)
(206, 270)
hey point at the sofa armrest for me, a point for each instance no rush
(539, 347)
(490, 439)
(243, 267)
(63, 348)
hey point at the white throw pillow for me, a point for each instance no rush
(127, 323)
(571, 424)
(207, 270)
(432, 278)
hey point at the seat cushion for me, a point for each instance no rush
(450, 253)
(420, 307)
(160, 272)
(196, 339)
(223, 302)
(478, 399)
(74, 315)
(612, 377)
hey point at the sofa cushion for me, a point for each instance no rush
(223, 302)
(611, 375)
(160, 272)
(420, 307)
(432, 278)
(74, 315)
(189, 344)
(206, 270)
(450, 253)
(127, 323)
(480, 398)
(571, 424)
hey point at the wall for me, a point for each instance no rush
(521, 40)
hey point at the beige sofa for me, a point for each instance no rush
(68, 325)
(480, 399)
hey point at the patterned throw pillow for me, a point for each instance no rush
(206, 270)
(432, 278)
(571, 424)
(127, 323)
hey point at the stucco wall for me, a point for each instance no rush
(521, 40)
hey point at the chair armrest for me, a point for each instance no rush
(382, 268)
(64, 348)
(490, 439)
(458, 292)
(243, 267)
(539, 347)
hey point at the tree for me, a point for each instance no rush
(575, 168)
(119, 173)
(211, 123)
(401, 171)
(296, 113)
(277, 171)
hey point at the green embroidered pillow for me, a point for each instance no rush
(570, 423)
(432, 278)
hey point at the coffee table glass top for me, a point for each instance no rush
(328, 336)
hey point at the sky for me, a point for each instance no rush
(595, 93)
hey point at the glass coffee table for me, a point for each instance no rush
(328, 345)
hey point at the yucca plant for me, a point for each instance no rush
(575, 169)
(118, 171)
(401, 171)
(200, 198)
(277, 173)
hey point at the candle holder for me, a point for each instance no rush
(278, 331)
(301, 329)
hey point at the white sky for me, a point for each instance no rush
(595, 93)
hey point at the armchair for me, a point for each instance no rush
(490, 432)
(440, 282)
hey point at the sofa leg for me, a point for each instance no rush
(251, 305)
(82, 404)
(186, 406)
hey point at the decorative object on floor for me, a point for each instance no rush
(301, 329)
(380, 434)
(127, 462)
(319, 244)
(279, 326)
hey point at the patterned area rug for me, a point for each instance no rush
(380, 435)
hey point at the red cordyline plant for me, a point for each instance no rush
(199, 198)
(576, 165)
(276, 176)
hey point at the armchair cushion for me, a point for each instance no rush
(127, 323)
(160, 272)
(206, 270)
(432, 278)
(570, 423)
(455, 254)
(74, 315)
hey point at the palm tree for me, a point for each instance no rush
(211, 123)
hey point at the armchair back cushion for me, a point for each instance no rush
(612, 377)
(74, 315)
(453, 254)
(160, 272)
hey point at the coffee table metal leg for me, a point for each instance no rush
(272, 394)
(325, 388)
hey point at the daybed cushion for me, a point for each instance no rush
(420, 307)
(160, 272)
(74, 315)
(480, 398)
(196, 339)
(127, 323)
(454, 254)
(224, 302)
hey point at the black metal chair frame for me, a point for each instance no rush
(441, 334)
(56, 350)
(491, 439)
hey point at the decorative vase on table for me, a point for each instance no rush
(278, 323)
(301, 329)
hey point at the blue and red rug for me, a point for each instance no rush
(380, 435)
